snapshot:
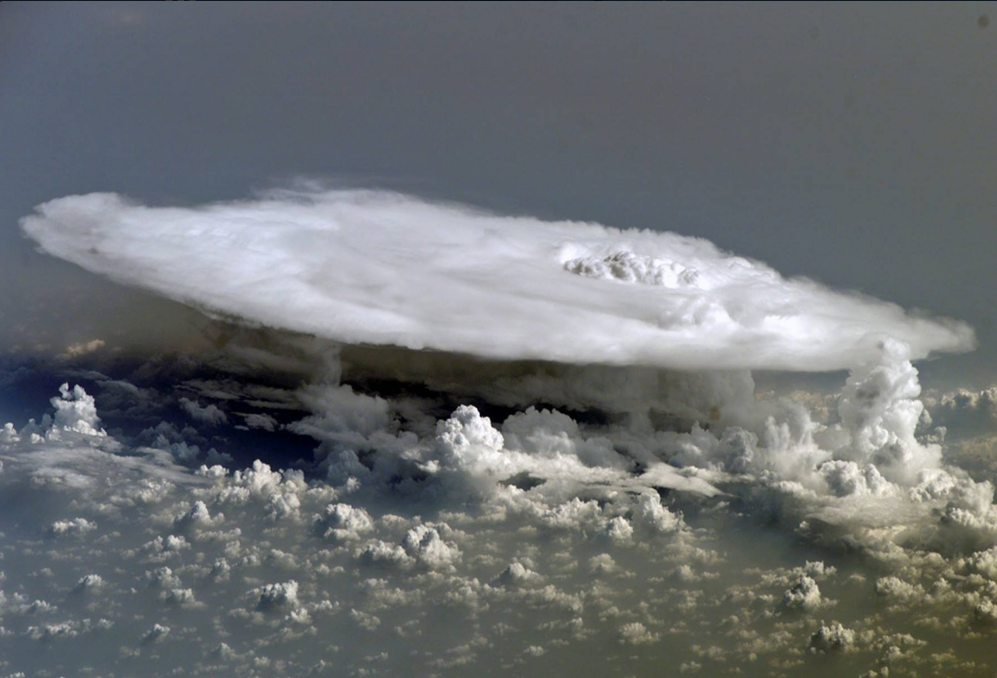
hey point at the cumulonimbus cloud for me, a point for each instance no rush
(382, 268)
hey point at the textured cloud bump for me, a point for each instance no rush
(380, 268)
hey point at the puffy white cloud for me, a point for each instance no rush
(75, 412)
(157, 633)
(341, 415)
(161, 549)
(379, 552)
(551, 434)
(8, 434)
(90, 582)
(365, 620)
(426, 546)
(177, 597)
(833, 638)
(898, 590)
(880, 410)
(343, 522)
(517, 574)
(198, 516)
(74, 527)
(162, 578)
(652, 515)
(845, 478)
(635, 633)
(805, 594)
(279, 597)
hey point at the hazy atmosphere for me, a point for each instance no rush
(479, 339)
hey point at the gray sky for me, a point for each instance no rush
(851, 144)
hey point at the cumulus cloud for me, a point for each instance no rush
(343, 522)
(382, 268)
(833, 638)
(635, 633)
(72, 527)
(277, 597)
(805, 594)
(75, 412)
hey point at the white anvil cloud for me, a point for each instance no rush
(382, 268)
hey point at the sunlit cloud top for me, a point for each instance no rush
(383, 268)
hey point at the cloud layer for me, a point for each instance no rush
(424, 512)
(529, 546)
(372, 267)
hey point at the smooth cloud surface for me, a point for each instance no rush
(383, 268)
